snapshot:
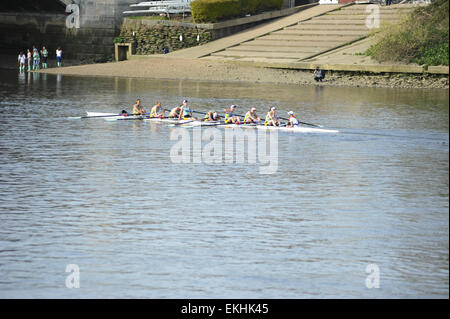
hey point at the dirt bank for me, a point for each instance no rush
(212, 70)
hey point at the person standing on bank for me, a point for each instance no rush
(59, 57)
(29, 59)
(22, 58)
(36, 59)
(44, 55)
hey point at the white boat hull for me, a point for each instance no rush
(94, 114)
(195, 123)
(297, 129)
(157, 119)
(113, 116)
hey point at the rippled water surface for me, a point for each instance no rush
(108, 197)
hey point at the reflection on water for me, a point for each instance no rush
(105, 195)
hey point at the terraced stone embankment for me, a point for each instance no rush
(313, 36)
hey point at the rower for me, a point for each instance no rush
(212, 116)
(293, 122)
(271, 118)
(138, 109)
(175, 112)
(230, 117)
(157, 111)
(185, 111)
(251, 116)
(124, 113)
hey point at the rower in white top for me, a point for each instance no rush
(293, 122)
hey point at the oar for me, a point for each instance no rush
(141, 118)
(302, 122)
(203, 113)
(112, 115)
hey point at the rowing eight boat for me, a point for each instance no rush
(192, 123)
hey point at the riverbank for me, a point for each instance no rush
(221, 71)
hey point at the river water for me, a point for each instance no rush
(341, 214)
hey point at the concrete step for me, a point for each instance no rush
(333, 23)
(319, 27)
(302, 49)
(381, 8)
(249, 59)
(348, 12)
(324, 38)
(269, 60)
(255, 54)
(287, 43)
(355, 17)
(339, 33)
(219, 58)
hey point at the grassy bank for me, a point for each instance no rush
(421, 37)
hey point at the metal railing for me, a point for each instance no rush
(166, 7)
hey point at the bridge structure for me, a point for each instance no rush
(84, 29)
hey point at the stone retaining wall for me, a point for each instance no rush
(154, 37)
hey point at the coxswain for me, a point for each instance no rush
(138, 109)
(251, 117)
(271, 118)
(293, 122)
(157, 111)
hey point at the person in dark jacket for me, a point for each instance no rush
(319, 74)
